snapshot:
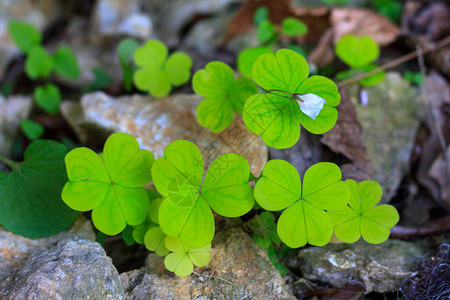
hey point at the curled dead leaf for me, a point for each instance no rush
(363, 22)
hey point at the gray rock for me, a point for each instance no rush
(91, 54)
(37, 13)
(155, 123)
(171, 17)
(389, 121)
(69, 265)
(238, 269)
(382, 268)
(113, 19)
(12, 110)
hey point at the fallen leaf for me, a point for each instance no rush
(438, 93)
(346, 138)
(440, 172)
(363, 22)
(427, 19)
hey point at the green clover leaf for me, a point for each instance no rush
(38, 64)
(293, 27)
(30, 196)
(266, 32)
(185, 211)
(304, 219)
(24, 35)
(261, 15)
(362, 217)
(157, 73)
(155, 241)
(32, 129)
(357, 52)
(290, 98)
(247, 58)
(223, 94)
(112, 187)
(182, 258)
(66, 63)
(374, 79)
(48, 98)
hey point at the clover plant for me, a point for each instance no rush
(182, 258)
(304, 219)
(264, 229)
(361, 217)
(185, 211)
(290, 99)
(391, 9)
(359, 53)
(157, 73)
(268, 36)
(224, 95)
(40, 64)
(32, 129)
(30, 195)
(111, 185)
(125, 52)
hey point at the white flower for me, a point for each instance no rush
(310, 104)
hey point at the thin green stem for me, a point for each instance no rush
(10, 163)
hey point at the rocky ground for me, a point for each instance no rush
(391, 139)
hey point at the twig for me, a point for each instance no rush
(437, 227)
(442, 43)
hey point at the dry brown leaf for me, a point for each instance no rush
(363, 22)
(440, 172)
(438, 93)
(346, 138)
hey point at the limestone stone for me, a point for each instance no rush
(238, 269)
(155, 123)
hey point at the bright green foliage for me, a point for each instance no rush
(182, 258)
(65, 63)
(24, 35)
(293, 27)
(30, 196)
(389, 8)
(247, 58)
(359, 53)
(277, 262)
(48, 98)
(32, 129)
(264, 229)
(38, 64)
(266, 31)
(155, 241)
(158, 73)
(101, 80)
(304, 219)
(125, 51)
(224, 95)
(261, 15)
(111, 187)
(415, 78)
(362, 217)
(276, 114)
(185, 211)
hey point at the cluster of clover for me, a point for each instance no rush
(176, 219)
(276, 98)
